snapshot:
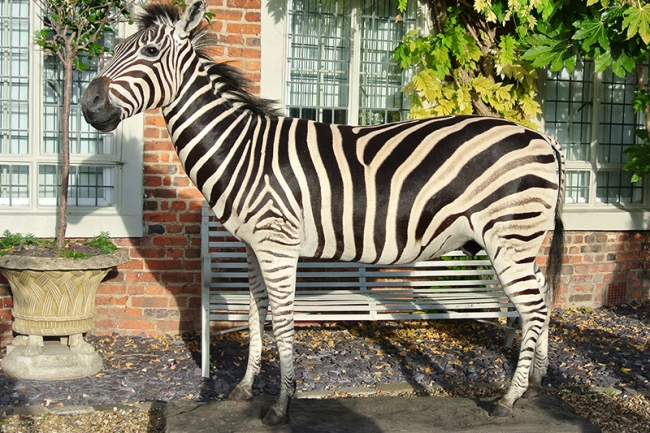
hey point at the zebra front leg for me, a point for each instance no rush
(284, 333)
(258, 309)
(279, 270)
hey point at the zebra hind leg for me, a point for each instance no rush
(540, 366)
(520, 283)
(256, 318)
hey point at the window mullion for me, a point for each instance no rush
(355, 63)
(595, 125)
(35, 109)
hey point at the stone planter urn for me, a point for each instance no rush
(54, 297)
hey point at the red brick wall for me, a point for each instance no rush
(158, 291)
(602, 268)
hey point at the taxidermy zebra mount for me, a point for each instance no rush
(289, 188)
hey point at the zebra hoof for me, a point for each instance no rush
(240, 394)
(502, 411)
(274, 418)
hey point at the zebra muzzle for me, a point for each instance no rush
(97, 108)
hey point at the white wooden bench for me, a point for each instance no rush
(340, 291)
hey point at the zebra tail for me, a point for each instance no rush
(556, 254)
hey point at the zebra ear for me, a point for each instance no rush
(191, 17)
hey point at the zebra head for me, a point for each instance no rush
(145, 69)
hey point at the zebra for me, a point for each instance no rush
(387, 194)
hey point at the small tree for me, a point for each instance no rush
(73, 31)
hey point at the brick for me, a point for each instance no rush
(155, 119)
(162, 264)
(227, 15)
(190, 193)
(115, 312)
(149, 301)
(243, 29)
(105, 322)
(182, 181)
(151, 132)
(178, 205)
(189, 218)
(168, 326)
(159, 217)
(174, 228)
(142, 277)
(159, 169)
(178, 241)
(133, 312)
(154, 290)
(179, 277)
(253, 17)
(135, 324)
(135, 264)
(111, 289)
(152, 181)
(161, 192)
(161, 313)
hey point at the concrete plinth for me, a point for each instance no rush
(56, 362)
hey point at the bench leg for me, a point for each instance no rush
(511, 329)
(205, 332)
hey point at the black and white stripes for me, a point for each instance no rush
(394, 193)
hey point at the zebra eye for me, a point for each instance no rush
(150, 51)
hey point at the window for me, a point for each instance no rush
(339, 64)
(591, 115)
(106, 169)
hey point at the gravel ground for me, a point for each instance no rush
(600, 364)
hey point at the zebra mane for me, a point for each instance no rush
(229, 81)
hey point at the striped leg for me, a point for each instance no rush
(278, 264)
(258, 309)
(520, 283)
(541, 350)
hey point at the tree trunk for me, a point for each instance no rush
(62, 222)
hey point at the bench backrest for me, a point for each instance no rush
(327, 290)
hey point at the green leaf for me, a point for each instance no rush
(637, 21)
(590, 32)
(603, 61)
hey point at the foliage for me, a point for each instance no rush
(472, 63)
(103, 243)
(612, 33)
(29, 245)
(483, 55)
(10, 240)
(72, 27)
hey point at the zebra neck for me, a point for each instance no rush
(208, 132)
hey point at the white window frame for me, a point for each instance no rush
(275, 41)
(125, 218)
(593, 215)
